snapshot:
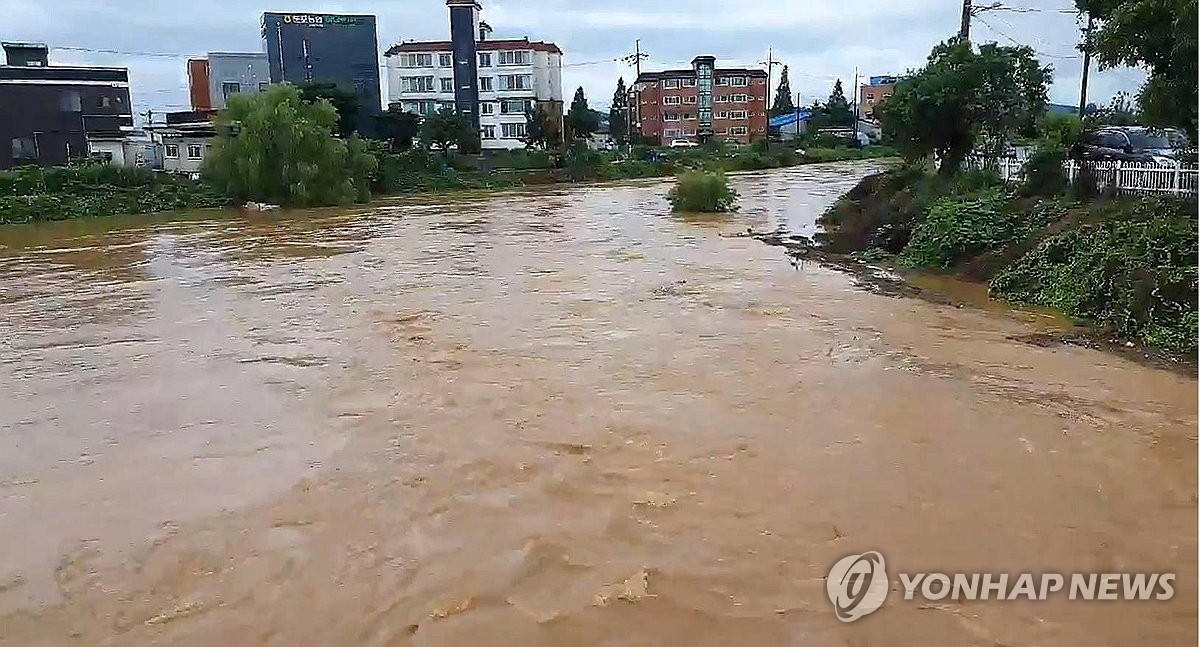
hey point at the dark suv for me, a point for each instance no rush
(1134, 144)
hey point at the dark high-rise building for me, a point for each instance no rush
(464, 25)
(326, 48)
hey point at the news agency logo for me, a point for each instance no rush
(858, 585)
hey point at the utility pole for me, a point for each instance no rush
(1087, 62)
(797, 138)
(964, 30)
(635, 59)
(770, 63)
(856, 93)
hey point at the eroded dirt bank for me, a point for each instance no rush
(562, 417)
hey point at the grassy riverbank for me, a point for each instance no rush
(32, 194)
(1123, 264)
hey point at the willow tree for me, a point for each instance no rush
(275, 147)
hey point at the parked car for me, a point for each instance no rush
(1163, 146)
(683, 143)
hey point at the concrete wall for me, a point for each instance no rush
(250, 71)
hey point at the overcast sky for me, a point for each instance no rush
(820, 40)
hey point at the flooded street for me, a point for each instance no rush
(555, 417)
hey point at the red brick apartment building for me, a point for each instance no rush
(728, 104)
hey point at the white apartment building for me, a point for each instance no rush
(514, 76)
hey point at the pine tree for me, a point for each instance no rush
(783, 96)
(618, 125)
(581, 120)
(838, 108)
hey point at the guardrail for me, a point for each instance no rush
(1134, 178)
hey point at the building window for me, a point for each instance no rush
(516, 57)
(670, 132)
(24, 148)
(195, 152)
(689, 99)
(739, 98)
(485, 84)
(445, 60)
(487, 132)
(263, 85)
(739, 81)
(230, 88)
(416, 60)
(423, 107)
(447, 85)
(670, 84)
(516, 82)
(69, 101)
(515, 106)
(672, 101)
(687, 116)
(173, 151)
(723, 98)
(689, 133)
(512, 131)
(722, 115)
(671, 116)
(737, 114)
(687, 83)
(738, 130)
(485, 59)
(487, 108)
(416, 84)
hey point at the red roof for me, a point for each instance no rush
(483, 46)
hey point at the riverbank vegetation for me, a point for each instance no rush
(1126, 264)
(702, 192)
(87, 190)
(276, 148)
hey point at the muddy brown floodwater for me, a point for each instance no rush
(561, 417)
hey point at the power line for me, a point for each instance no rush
(1017, 42)
(96, 50)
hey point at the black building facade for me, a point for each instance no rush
(48, 113)
(326, 48)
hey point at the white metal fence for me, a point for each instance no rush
(1139, 178)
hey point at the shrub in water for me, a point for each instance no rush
(702, 191)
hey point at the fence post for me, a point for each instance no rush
(1175, 186)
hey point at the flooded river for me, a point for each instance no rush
(562, 417)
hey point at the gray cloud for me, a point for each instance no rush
(820, 40)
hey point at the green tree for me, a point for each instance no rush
(783, 96)
(1121, 111)
(399, 127)
(837, 109)
(346, 103)
(1160, 35)
(581, 121)
(540, 130)
(444, 128)
(962, 97)
(618, 114)
(275, 147)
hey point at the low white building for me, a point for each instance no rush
(514, 76)
(183, 142)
